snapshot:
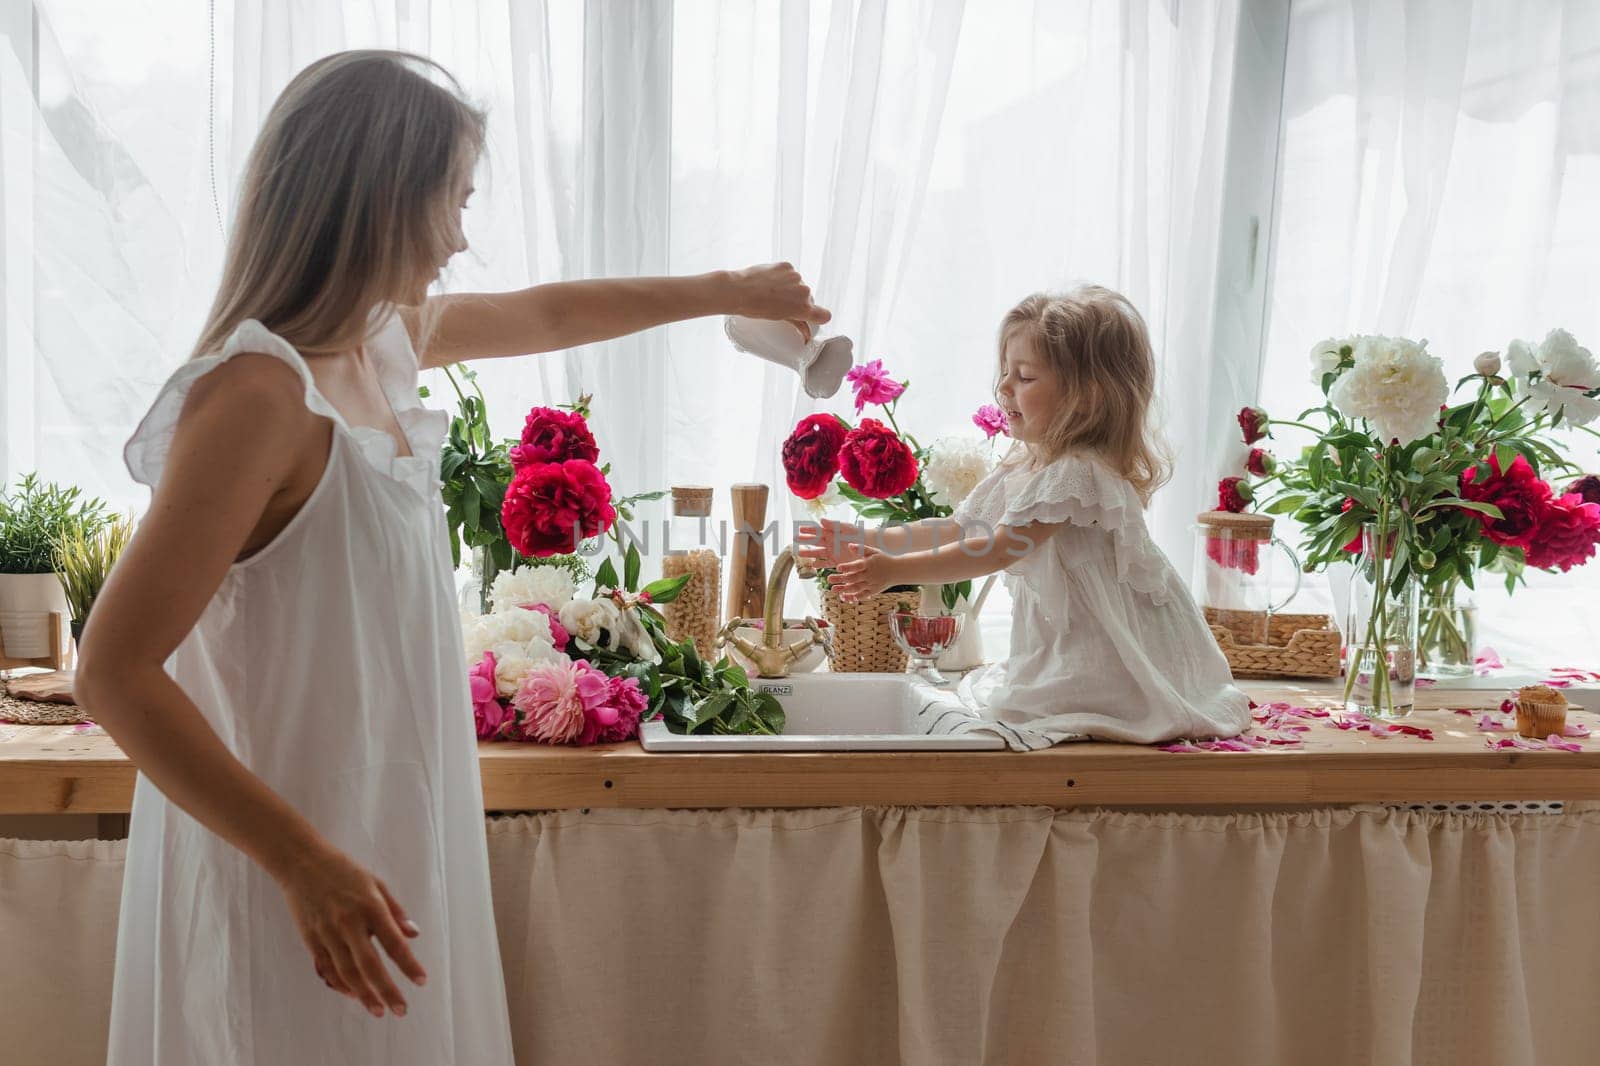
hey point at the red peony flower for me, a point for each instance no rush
(1231, 554)
(1355, 541)
(1566, 535)
(811, 455)
(1588, 487)
(876, 462)
(550, 507)
(1519, 494)
(1252, 423)
(1261, 463)
(1233, 494)
(551, 435)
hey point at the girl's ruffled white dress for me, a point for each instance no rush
(1106, 641)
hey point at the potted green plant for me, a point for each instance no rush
(33, 520)
(84, 561)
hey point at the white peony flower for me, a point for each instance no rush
(1487, 364)
(516, 626)
(1325, 358)
(1570, 372)
(549, 585)
(630, 636)
(1523, 362)
(1395, 385)
(513, 661)
(1556, 376)
(585, 619)
(955, 466)
(825, 504)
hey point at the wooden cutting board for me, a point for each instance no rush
(54, 687)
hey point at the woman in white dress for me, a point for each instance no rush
(1106, 641)
(279, 650)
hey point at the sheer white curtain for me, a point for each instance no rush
(1074, 143)
(926, 163)
(1440, 178)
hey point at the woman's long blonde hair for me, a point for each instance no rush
(1095, 343)
(345, 198)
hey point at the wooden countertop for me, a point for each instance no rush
(66, 769)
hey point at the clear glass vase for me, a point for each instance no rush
(1380, 636)
(1447, 632)
(484, 571)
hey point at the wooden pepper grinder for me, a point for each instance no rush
(747, 563)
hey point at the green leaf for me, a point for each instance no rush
(631, 565)
(470, 502)
(735, 673)
(606, 577)
(1466, 505)
(667, 589)
(769, 711)
(1286, 504)
(709, 709)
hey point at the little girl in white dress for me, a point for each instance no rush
(1106, 642)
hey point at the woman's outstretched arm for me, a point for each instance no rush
(565, 314)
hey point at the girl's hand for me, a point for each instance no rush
(866, 573)
(776, 291)
(825, 543)
(339, 908)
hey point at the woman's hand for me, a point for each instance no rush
(824, 544)
(340, 908)
(776, 291)
(866, 572)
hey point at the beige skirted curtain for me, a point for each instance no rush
(965, 936)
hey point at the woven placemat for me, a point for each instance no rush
(33, 712)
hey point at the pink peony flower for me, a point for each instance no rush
(991, 420)
(488, 713)
(612, 705)
(558, 632)
(549, 705)
(630, 703)
(873, 384)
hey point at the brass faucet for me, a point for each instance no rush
(772, 656)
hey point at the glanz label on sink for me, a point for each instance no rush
(775, 689)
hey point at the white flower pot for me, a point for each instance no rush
(26, 601)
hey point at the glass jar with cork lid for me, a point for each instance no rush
(691, 549)
(1233, 573)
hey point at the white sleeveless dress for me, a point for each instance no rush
(1106, 641)
(329, 662)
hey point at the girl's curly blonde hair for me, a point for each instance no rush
(1095, 343)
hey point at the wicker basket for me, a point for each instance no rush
(1298, 645)
(23, 711)
(862, 640)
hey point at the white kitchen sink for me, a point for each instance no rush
(833, 712)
